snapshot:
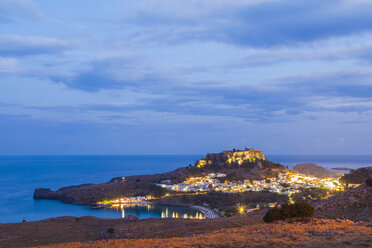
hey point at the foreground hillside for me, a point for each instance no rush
(71, 229)
(319, 233)
(354, 204)
(237, 231)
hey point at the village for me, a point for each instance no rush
(285, 183)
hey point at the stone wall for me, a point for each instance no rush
(231, 157)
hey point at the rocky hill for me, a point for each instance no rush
(311, 169)
(354, 204)
(357, 176)
(240, 165)
(231, 157)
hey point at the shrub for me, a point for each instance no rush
(297, 211)
(301, 210)
(285, 212)
(110, 230)
(272, 215)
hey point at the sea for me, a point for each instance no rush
(20, 175)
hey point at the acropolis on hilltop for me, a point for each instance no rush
(231, 157)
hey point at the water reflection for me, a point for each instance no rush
(171, 214)
(158, 211)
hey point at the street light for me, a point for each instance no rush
(241, 209)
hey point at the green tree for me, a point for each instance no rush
(297, 211)
(272, 215)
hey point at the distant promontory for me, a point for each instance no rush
(311, 169)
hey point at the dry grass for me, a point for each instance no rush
(238, 231)
(320, 233)
(67, 229)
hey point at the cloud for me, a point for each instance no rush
(262, 24)
(11, 10)
(259, 57)
(112, 73)
(17, 45)
(8, 65)
(278, 100)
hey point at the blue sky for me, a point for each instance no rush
(185, 77)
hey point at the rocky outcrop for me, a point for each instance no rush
(60, 195)
(314, 170)
(229, 157)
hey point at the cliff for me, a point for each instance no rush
(234, 157)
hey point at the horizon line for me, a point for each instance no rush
(174, 154)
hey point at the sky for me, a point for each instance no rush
(185, 77)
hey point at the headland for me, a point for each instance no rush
(238, 186)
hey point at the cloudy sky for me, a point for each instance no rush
(185, 77)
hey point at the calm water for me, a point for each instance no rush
(19, 175)
(326, 161)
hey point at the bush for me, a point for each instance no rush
(297, 211)
(301, 210)
(110, 230)
(272, 215)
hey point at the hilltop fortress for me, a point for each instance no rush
(237, 157)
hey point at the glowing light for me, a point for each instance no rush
(330, 185)
(241, 209)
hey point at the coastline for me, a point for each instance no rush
(138, 186)
(209, 213)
